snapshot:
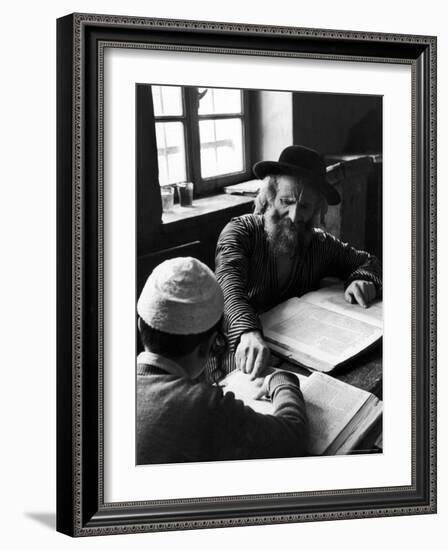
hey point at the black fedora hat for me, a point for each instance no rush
(300, 161)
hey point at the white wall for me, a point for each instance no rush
(275, 123)
(28, 272)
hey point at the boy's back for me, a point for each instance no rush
(181, 420)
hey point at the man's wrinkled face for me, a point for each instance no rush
(289, 218)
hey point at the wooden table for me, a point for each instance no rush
(365, 371)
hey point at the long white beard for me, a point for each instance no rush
(284, 236)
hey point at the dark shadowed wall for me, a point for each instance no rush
(338, 124)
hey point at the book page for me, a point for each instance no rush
(241, 385)
(332, 298)
(330, 405)
(309, 330)
(246, 389)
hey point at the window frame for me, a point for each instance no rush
(190, 120)
(182, 118)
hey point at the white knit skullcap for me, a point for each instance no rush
(181, 296)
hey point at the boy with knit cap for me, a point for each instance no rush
(181, 419)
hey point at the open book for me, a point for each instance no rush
(341, 417)
(320, 330)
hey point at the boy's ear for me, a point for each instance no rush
(139, 323)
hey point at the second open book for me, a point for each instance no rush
(340, 416)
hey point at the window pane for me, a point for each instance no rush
(171, 152)
(221, 146)
(167, 100)
(219, 101)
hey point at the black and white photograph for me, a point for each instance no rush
(259, 243)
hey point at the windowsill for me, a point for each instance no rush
(204, 206)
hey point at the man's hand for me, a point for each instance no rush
(360, 292)
(252, 354)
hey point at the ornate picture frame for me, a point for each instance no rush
(81, 506)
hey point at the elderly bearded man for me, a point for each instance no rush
(276, 253)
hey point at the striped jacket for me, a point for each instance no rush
(246, 270)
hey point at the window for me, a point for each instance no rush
(170, 133)
(202, 136)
